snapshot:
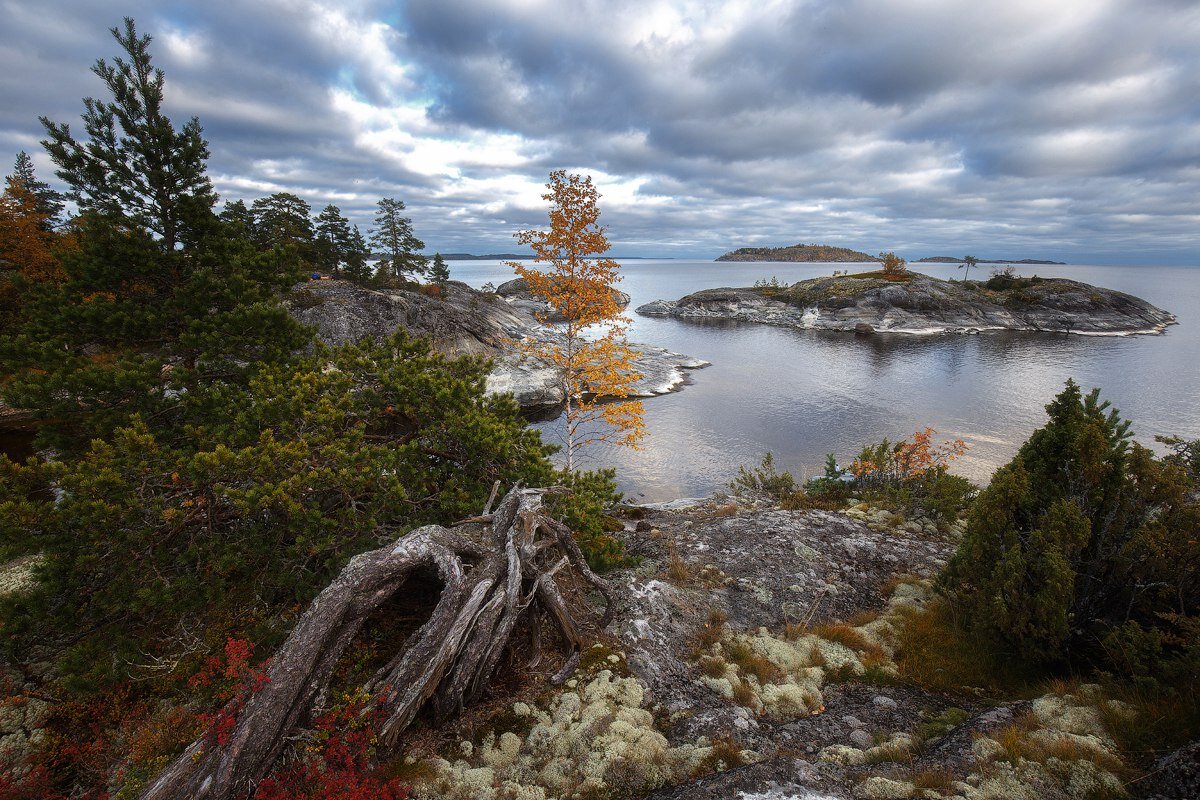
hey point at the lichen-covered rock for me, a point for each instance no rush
(880, 788)
(596, 741)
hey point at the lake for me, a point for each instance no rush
(802, 394)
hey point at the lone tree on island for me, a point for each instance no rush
(894, 267)
(596, 371)
(394, 237)
(968, 262)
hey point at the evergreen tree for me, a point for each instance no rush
(134, 165)
(238, 220)
(284, 220)
(357, 268)
(395, 239)
(258, 509)
(439, 273)
(143, 318)
(1083, 536)
(333, 240)
(49, 203)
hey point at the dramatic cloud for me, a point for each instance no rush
(1066, 130)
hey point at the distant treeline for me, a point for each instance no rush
(798, 252)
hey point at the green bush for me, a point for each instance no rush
(583, 511)
(914, 475)
(1084, 548)
(764, 480)
(225, 523)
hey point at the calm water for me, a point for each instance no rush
(802, 394)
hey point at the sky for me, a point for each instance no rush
(1058, 129)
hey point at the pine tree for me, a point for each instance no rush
(147, 318)
(439, 273)
(134, 165)
(238, 220)
(49, 202)
(357, 268)
(284, 220)
(30, 250)
(394, 237)
(333, 240)
(1083, 535)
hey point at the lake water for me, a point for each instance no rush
(802, 394)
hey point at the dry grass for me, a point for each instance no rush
(726, 755)
(937, 653)
(712, 666)
(940, 780)
(888, 753)
(896, 581)
(863, 617)
(846, 635)
(727, 510)
(1152, 720)
(743, 693)
(1017, 744)
(794, 630)
(678, 571)
(712, 631)
(750, 662)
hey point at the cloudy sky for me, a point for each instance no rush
(1064, 129)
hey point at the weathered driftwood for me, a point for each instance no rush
(498, 571)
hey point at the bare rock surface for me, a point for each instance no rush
(517, 293)
(763, 568)
(1176, 776)
(924, 305)
(465, 321)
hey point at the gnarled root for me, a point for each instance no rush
(497, 571)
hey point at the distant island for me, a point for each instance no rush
(798, 252)
(487, 257)
(956, 260)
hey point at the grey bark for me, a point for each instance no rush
(483, 564)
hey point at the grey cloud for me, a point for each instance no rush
(1067, 130)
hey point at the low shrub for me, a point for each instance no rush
(764, 481)
(936, 651)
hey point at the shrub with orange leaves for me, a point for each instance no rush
(913, 473)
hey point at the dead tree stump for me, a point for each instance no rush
(498, 571)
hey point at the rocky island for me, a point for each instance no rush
(920, 304)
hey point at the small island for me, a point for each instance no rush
(920, 304)
(799, 252)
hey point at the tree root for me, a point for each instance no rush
(498, 572)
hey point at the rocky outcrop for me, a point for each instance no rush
(461, 321)
(922, 304)
(464, 321)
(517, 293)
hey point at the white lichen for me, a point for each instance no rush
(595, 741)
